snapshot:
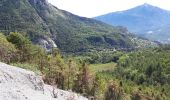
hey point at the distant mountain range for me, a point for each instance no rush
(145, 20)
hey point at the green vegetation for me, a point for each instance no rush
(102, 67)
(71, 33)
(92, 58)
(142, 74)
(116, 75)
(7, 49)
(95, 57)
(63, 74)
(147, 67)
(30, 67)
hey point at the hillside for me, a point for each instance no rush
(137, 74)
(49, 26)
(141, 75)
(145, 20)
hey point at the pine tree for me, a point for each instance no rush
(113, 92)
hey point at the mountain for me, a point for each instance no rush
(145, 20)
(49, 26)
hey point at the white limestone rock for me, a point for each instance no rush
(20, 84)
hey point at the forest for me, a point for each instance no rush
(142, 74)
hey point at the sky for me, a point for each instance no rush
(92, 8)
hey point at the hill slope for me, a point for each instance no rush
(48, 25)
(145, 20)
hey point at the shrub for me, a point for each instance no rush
(7, 50)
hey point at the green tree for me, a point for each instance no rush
(7, 50)
(55, 73)
(113, 92)
(22, 44)
(84, 80)
(40, 58)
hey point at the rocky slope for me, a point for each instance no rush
(20, 84)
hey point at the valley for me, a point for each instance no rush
(83, 58)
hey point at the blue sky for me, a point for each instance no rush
(92, 8)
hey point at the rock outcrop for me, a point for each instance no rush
(20, 84)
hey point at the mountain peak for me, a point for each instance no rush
(146, 9)
(146, 5)
(142, 19)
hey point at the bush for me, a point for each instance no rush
(23, 44)
(7, 50)
(113, 92)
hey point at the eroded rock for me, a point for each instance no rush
(20, 84)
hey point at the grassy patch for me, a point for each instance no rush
(102, 67)
(30, 67)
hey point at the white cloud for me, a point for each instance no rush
(91, 8)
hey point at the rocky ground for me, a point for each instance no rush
(20, 84)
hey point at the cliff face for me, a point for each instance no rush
(20, 84)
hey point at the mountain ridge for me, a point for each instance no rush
(140, 20)
(45, 24)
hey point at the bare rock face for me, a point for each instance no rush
(47, 43)
(20, 84)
